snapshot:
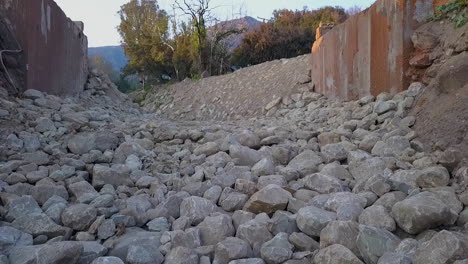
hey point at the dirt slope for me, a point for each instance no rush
(243, 93)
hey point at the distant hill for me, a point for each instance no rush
(247, 24)
(113, 54)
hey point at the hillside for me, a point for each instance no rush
(113, 54)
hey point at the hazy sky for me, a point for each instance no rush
(101, 19)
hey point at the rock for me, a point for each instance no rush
(382, 107)
(336, 200)
(282, 222)
(311, 220)
(444, 247)
(277, 250)
(334, 152)
(83, 191)
(44, 125)
(106, 229)
(10, 237)
(279, 180)
(159, 224)
(39, 224)
(79, 216)
(116, 175)
(54, 253)
(268, 200)
(248, 139)
(208, 149)
(422, 211)
(22, 206)
(248, 261)
(144, 255)
(107, 260)
(254, 232)
(340, 232)
(374, 242)
(239, 217)
(263, 167)
(33, 94)
(196, 209)
(234, 201)
(393, 146)
(323, 183)
(134, 237)
(305, 163)
(181, 255)
(231, 248)
(42, 192)
(377, 216)
(389, 199)
(213, 194)
(82, 143)
(303, 242)
(394, 258)
(215, 229)
(365, 169)
(336, 254)
(244, 156)
(433, 177)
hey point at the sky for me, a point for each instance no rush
(101, 19)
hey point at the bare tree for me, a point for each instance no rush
(199, 12)
(354, 10)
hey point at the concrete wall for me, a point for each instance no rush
(55, 48)
(369, 53)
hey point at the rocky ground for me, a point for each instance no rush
(95, 179)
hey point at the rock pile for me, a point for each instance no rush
(95, 180)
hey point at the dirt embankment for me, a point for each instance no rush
(243, 93)
(441, 63)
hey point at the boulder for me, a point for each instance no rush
(306, 162)
(268, 200)
(444, 247)
(231, 248)
(311, 220)
(196, 209)
(374, 242)
(277, 250)
(215, 229)
(336, 254)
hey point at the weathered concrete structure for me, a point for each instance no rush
(54, 47)
(369, 53)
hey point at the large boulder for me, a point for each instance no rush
(231, 248)
(79, 216)
(196, 209)
(444, 247)
(340, 232)
(306, 162)
(311, 220)
(277, 250)
(215, 229)
(422, 211)
(374, 242)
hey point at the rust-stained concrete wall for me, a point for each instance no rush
(369, 53)
(55, 48)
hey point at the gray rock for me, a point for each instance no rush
(341, 232)
(422, 211)
(234, 201)
(268, 200)
(336, 200)
(79, 216)
(382, 107)
(254, 232)
(239, 217)
(208, 149)
(133, 237)
(282, 222)
(389, 199)
(181, 255)
(37, 157)
(311, 220)
(116, 175)
(377, 216)
(33, 94)
(334, 152)
(433, 177)
(231, 248)
(10, 237)
(215, 229)
(263, 167)
(244, 156)
(54, 253)
(323, 183)
(393, 146)
(277, 250)
(144, 255)
(306, 162)
(159, 224)
(83, 191)
(44, 125)
(22, 206)
(39, 224)
(248, 139)
(303, 242)
(444, 247)
(213, 194)
(374, 242)
(248, 261)
(394, 258)
(336, 254)
(365, 169)
(196, 209)
(82, 143)
(106, 229)
(107, 260)
(42, 192)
